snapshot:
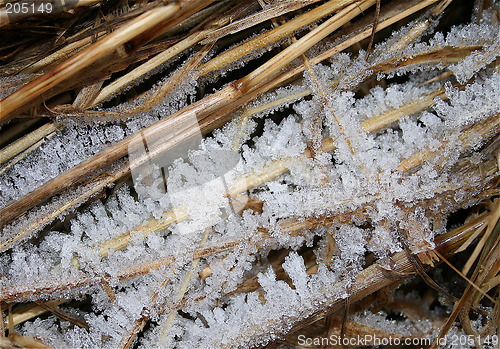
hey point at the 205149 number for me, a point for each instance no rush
(28, 8)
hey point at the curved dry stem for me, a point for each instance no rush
(120, 43)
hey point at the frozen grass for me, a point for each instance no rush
(244, 174)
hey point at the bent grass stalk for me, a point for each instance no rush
(103, 47)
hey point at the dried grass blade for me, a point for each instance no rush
(31, 311)
(272, 12)
(43, 290)
(389, 16)
(462, 275)
(269, 69)
(64, 53)
(27, 141)
(273, 35)
(381, 121)
(95, 186)
(54, 310)
(129, 78)
(468, 138)
(122, 41)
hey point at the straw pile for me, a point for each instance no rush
(353, 191)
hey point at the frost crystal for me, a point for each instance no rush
(234, 238)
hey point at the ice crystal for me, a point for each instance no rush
(232, 300)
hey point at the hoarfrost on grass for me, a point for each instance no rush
(361, 172)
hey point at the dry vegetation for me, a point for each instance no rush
(158, 72)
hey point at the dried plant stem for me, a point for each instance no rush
(419, 5)
(181, 76)
(24, 292)
(440, 77)
(86, 95)
(153, 63)
(272, 35)
(102, 48)
(25, 153)
(393, 15)
(96, 186)
(54, 310)
(129, 339)
(129, 78)
(492, 221)
(462, 275)
(381, 121)
(316, 121)
(150, 226)
(468, 138)
(277, 102)
(420, 27)
(183, 289)
(206, 36)
(374, 30)
(64, 53)
(268, 13)
(15, 341)
(441, 56)
(268, 70)
(490, 264)
(27, 141)
(469, 229)
(146, 27)
(31, 311)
